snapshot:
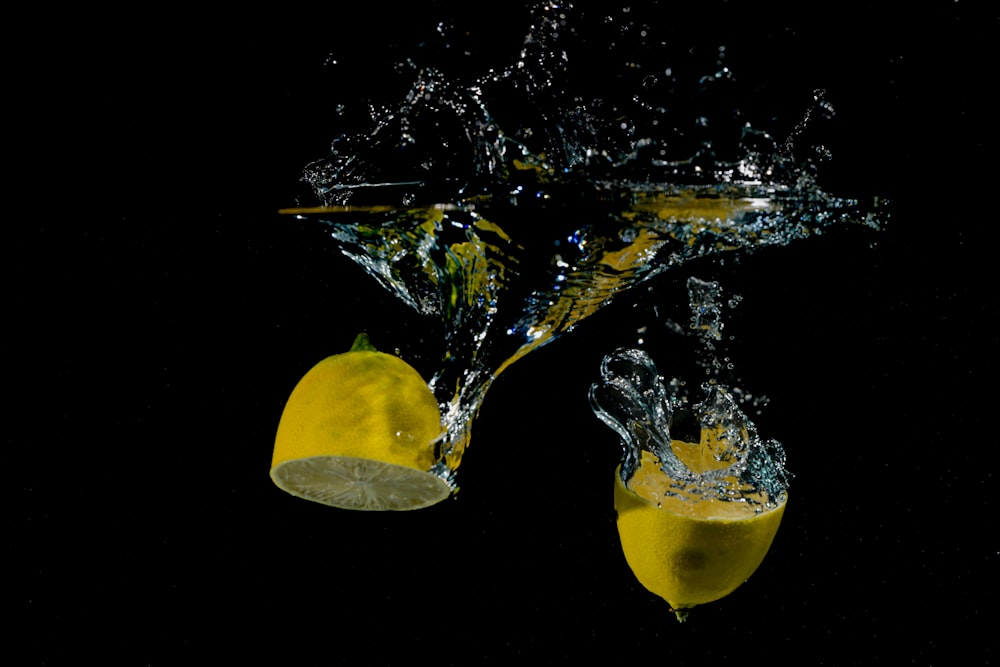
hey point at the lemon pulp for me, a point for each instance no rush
(358, 432)
(356, 483)
(688, 552)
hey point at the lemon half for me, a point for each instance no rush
(688, 553)
(358, 432)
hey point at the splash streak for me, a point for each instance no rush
(511, 235)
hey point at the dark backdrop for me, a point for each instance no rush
(162, 311)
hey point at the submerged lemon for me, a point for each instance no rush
(358, 432)
(688, 553)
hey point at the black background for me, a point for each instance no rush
(160, 312)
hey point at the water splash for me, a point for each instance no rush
(510, 233)
(736, 464)
(554, 117)
(707, 450)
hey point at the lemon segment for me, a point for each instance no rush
(359, 432)
(688, 553)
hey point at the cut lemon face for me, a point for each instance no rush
(350, 482)
(358, 432)
(688, 552)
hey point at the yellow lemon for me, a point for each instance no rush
(359, 432)
(688, 552)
